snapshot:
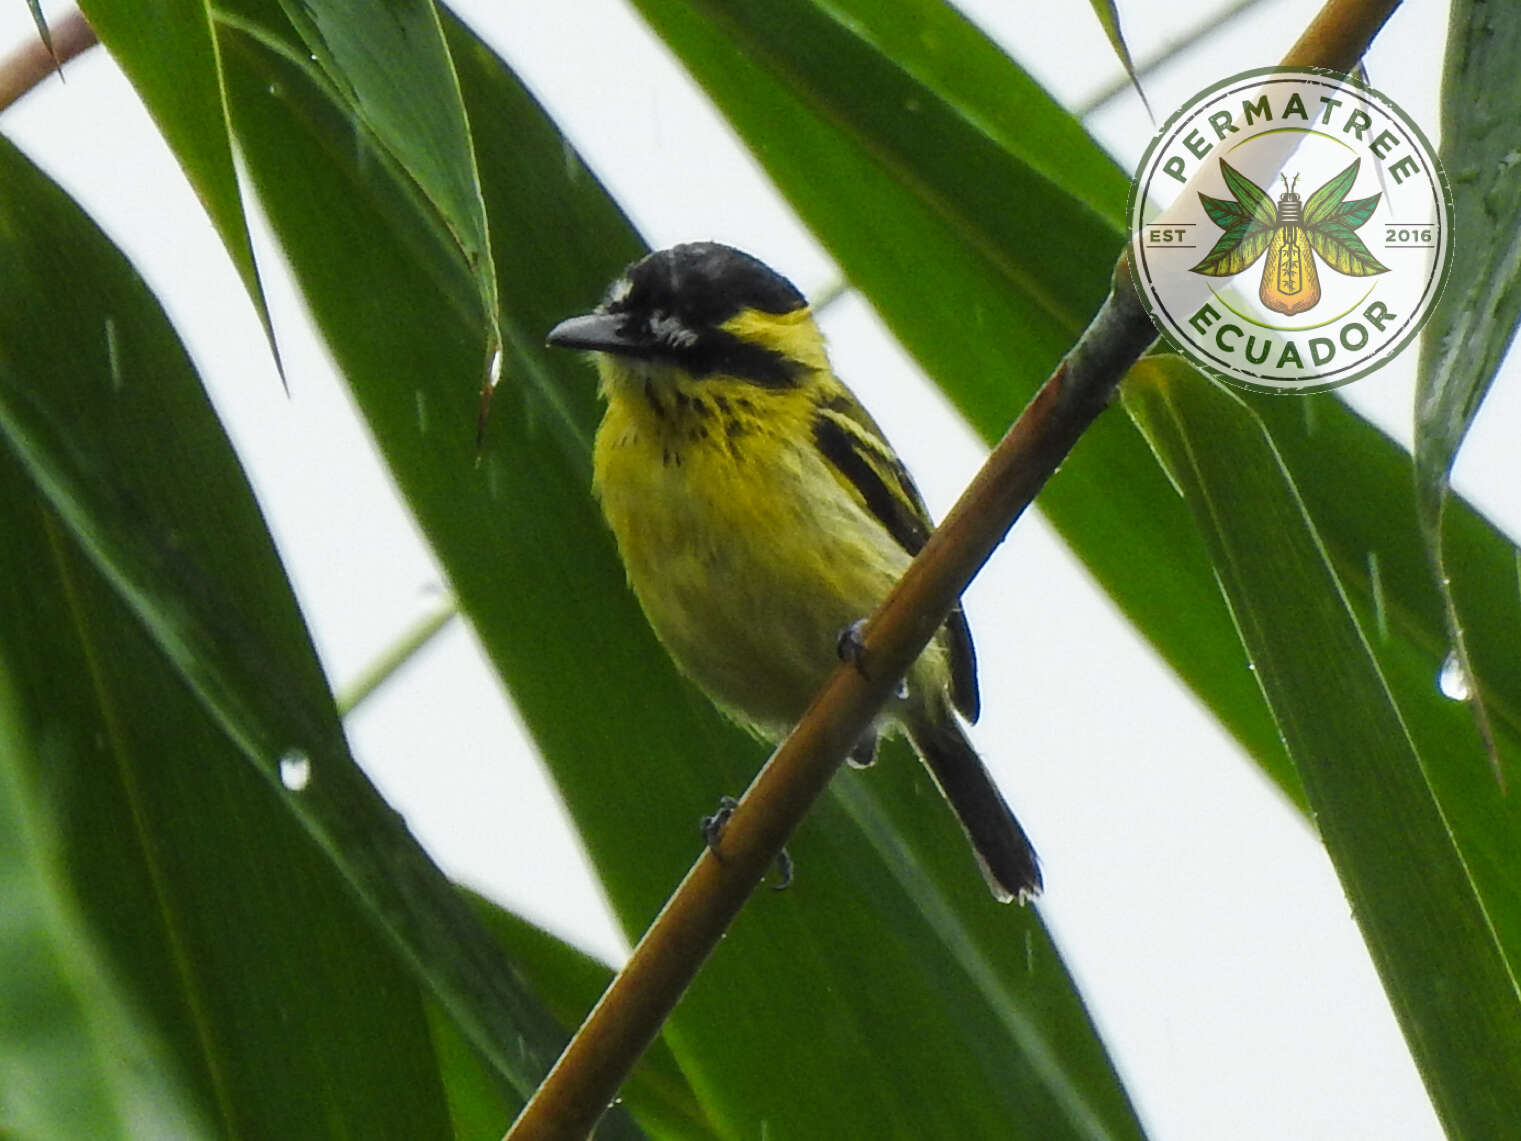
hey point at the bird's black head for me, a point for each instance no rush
(700, 285)
(702, 307)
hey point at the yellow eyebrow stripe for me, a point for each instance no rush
(793, 334)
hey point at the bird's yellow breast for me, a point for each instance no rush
(747, 553)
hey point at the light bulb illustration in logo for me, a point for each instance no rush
(1289, 282)
(1291, 233)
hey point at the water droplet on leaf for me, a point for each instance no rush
(295, 769)
(1452, 679)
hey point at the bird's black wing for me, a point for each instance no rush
(855, 447)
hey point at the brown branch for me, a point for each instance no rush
(32, 62)
(1339, 36)
(629, 1015)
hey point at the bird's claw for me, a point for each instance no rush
(783, 871)
(712, 828)
(851, 646)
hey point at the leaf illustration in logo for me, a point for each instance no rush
(1234, 250)
(1343, 250)
(1247, 223)
(1224, 212)
(1323, 204)
(1258, 202)
(1358, 211)
(1291, 232)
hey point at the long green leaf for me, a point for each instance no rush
(40, 20)
(1430, 938)
(78, 1056)
(168, 52)
(211, 974)
(390, 66)
(638, 755)
(1475, 320)
(1360, 493)
(1108, 14)
(657, 1094)
(570, 981)
(101, 405)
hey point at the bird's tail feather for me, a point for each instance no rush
(1003, 850)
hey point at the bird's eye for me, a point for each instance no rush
(670, 330)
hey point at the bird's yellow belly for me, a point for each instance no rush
(748, 565)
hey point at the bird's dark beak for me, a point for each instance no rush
(597, 331)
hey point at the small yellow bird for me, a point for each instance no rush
(761, 513)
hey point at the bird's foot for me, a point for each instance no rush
(851, 647)
(712, 828)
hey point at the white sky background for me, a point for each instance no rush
(1198, 911)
